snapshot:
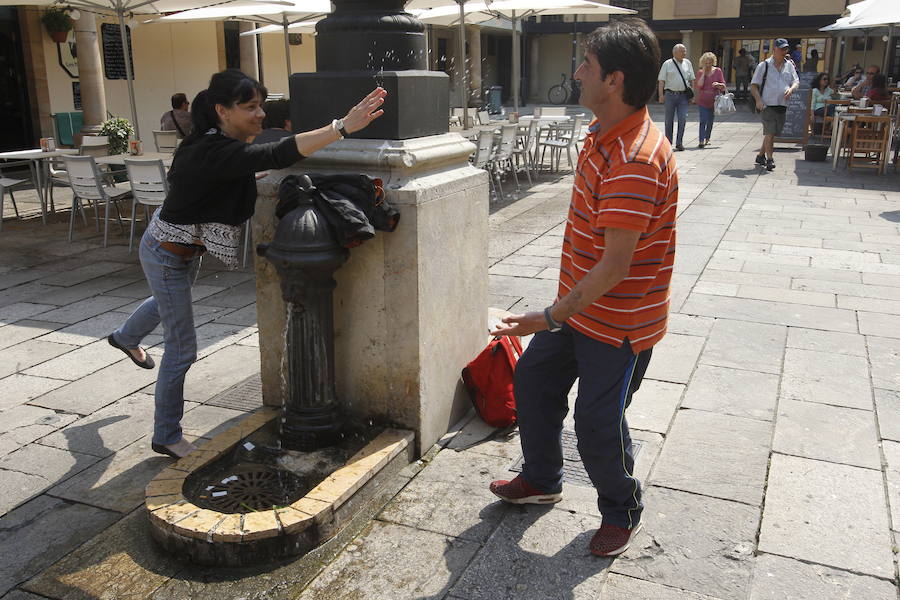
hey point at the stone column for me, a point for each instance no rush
(473, 63)
(249, 57)
(90, 74)
(533, 69)
(686, 40)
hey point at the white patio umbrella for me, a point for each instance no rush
(282, 16)
(119, 9)
(513, 11)
(865, 17)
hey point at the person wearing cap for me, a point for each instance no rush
(774, 80)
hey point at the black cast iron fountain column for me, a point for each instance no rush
(365, 43)
(306, 256)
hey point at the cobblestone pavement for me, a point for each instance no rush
(769, 421)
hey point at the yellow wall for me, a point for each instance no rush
(274, 65)
(168, 58)
(555, 53)
(816, 7)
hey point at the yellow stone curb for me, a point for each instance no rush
(171, 511)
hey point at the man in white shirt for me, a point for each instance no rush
(774, 80)
(674, 81)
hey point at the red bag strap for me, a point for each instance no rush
(511, 346)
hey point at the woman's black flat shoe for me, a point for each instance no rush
(147, 363)
(160, 449)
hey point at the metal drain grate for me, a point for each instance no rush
(250, 488)
(245, 396)
(573, 469)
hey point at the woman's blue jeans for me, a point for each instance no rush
(707, 116)
(170, 278)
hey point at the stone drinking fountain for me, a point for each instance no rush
(360, 355)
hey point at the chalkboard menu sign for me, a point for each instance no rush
(76, 94)
(795, 122)
(113, 57)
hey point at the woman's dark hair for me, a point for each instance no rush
(178, 100)
(228, 87)
(277, 114)
(879, 81)
(629, 46)
(817, 82)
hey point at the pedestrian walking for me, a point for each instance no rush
(675, 78)
(613, 294)
(212, 192)
(710, 83)
(774, 80)
(744, 65)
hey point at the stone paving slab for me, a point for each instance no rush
(831, 433)
(107, 430)
(887, 405)
(117, 482)
(826, 378)
(777, 578)
(704, 545)
(654, 404)
(884, 359)
(703, 451)
(24, 330)
(826, 513)
(733, 392)
(674, 358)
(892, 458)
(120, 563)
(622, 587)
(393, 561)
(826, 341)
(776, 313)
(745, 345)
(89, 394)
(36, 535)
(18, 388)
(21, 357)
(542, 553)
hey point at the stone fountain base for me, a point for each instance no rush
(311, 500)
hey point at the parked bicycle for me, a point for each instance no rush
(565, 91)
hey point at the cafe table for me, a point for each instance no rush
(38, 167)
(119, 159)
(842, 119)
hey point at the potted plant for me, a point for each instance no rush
(58, 23)
(118, 130)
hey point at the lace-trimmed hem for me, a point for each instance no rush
(222, 241)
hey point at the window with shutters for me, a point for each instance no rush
(764, 8)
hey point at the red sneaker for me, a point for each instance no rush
(612, 540)
(519, 491)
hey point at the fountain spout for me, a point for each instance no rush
(306, 255)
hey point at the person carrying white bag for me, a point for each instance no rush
(709, 82)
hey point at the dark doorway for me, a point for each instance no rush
(504, 63)
(665, 48)
(232, 44)
(16, 131)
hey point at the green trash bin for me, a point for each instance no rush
(495, 99)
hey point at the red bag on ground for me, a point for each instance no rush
(489, 379)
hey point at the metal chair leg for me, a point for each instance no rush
(133, 219)
(13, 198)
(75, 206)
(106, 224)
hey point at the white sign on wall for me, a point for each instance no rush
(68, 55)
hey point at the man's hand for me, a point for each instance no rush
(521, 324)
(759, 105)
(788, 92)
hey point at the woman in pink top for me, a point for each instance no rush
(707, 85)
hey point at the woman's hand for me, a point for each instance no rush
(366, 111)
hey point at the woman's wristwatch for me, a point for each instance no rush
(338, 126)
(552, 325)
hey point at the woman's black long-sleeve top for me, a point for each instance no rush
(212, 180)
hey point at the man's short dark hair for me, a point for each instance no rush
(179, 100)
(277, 114)
(742, 51)
(629, 46)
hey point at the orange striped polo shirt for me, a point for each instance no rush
(627, 180)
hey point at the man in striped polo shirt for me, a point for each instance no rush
(613, 298)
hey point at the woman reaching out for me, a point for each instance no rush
(212, 192)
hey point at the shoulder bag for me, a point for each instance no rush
(687, 88)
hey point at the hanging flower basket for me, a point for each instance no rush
(58, 23)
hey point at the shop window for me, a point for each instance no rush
(764, 8)
(644, 8)
(232, 44)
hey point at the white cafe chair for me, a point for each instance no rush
(148, 187)
(484, 159)
(6, 185)
(88, 183)
(165, 141)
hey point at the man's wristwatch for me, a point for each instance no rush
(552, 325)
(338, 126)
